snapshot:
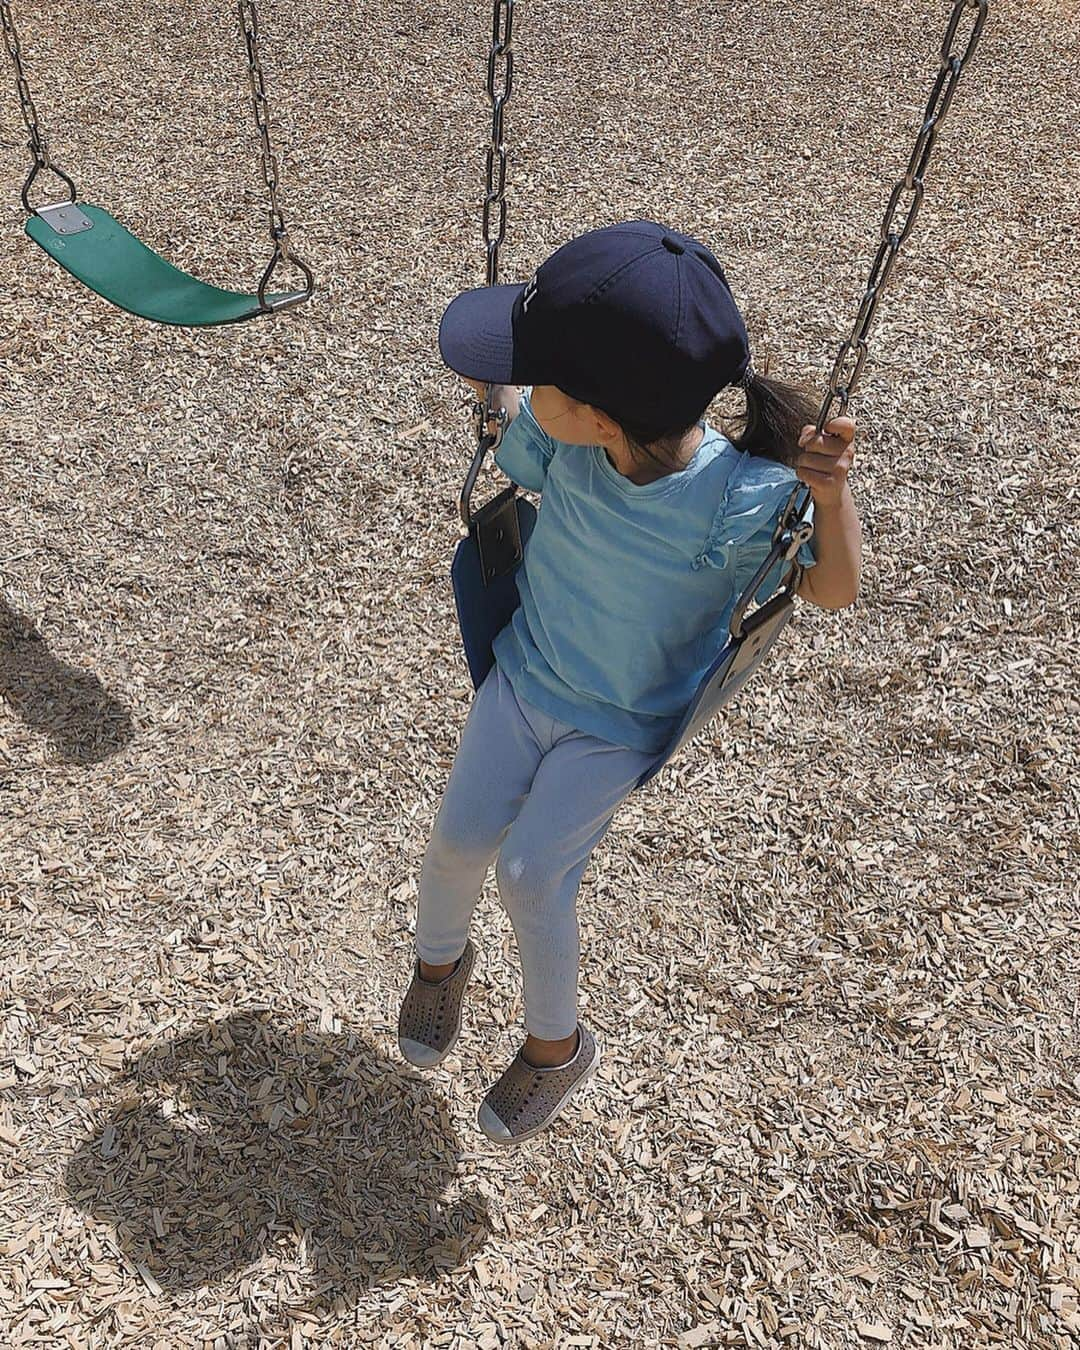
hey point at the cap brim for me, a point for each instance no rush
(476, 336)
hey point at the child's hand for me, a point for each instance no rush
(506, 396)
(825, 460)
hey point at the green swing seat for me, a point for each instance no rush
(96, 249)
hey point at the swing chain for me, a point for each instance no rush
(794, 527)
(500, 84)
(491, 422)
(851, 358)
(279, 232)
(38, 144)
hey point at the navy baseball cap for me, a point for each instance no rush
(634, 319)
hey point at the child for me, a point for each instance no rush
(651, 524)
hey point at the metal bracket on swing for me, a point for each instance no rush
(496, 526)
(65, 218)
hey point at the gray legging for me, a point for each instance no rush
(540, 795)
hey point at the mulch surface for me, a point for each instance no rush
(831, 954)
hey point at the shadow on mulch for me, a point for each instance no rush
(250, 1138)
(71, 706)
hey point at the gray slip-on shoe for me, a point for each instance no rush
(430, 1019)
(526, 1100)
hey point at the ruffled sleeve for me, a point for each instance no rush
(742, 530)
(526, 450)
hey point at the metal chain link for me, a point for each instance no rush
(279, 232)
(38, 144)
(907, 196)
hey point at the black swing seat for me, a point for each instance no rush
(737, 661)
(484, 576)
(111, 261)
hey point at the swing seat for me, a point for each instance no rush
(738, 660)
(484, 576)
(96, 249)
(485, 583)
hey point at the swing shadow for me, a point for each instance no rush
(71, 706)
(250, 1138)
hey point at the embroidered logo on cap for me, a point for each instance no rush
(530, 294)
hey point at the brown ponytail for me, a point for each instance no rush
(775, 415)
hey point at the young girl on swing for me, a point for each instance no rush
(651, 525)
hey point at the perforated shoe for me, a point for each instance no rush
(430, 1019)
(526, 1100)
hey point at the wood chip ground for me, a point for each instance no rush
(832, 954)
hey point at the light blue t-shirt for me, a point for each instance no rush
(626, 590)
